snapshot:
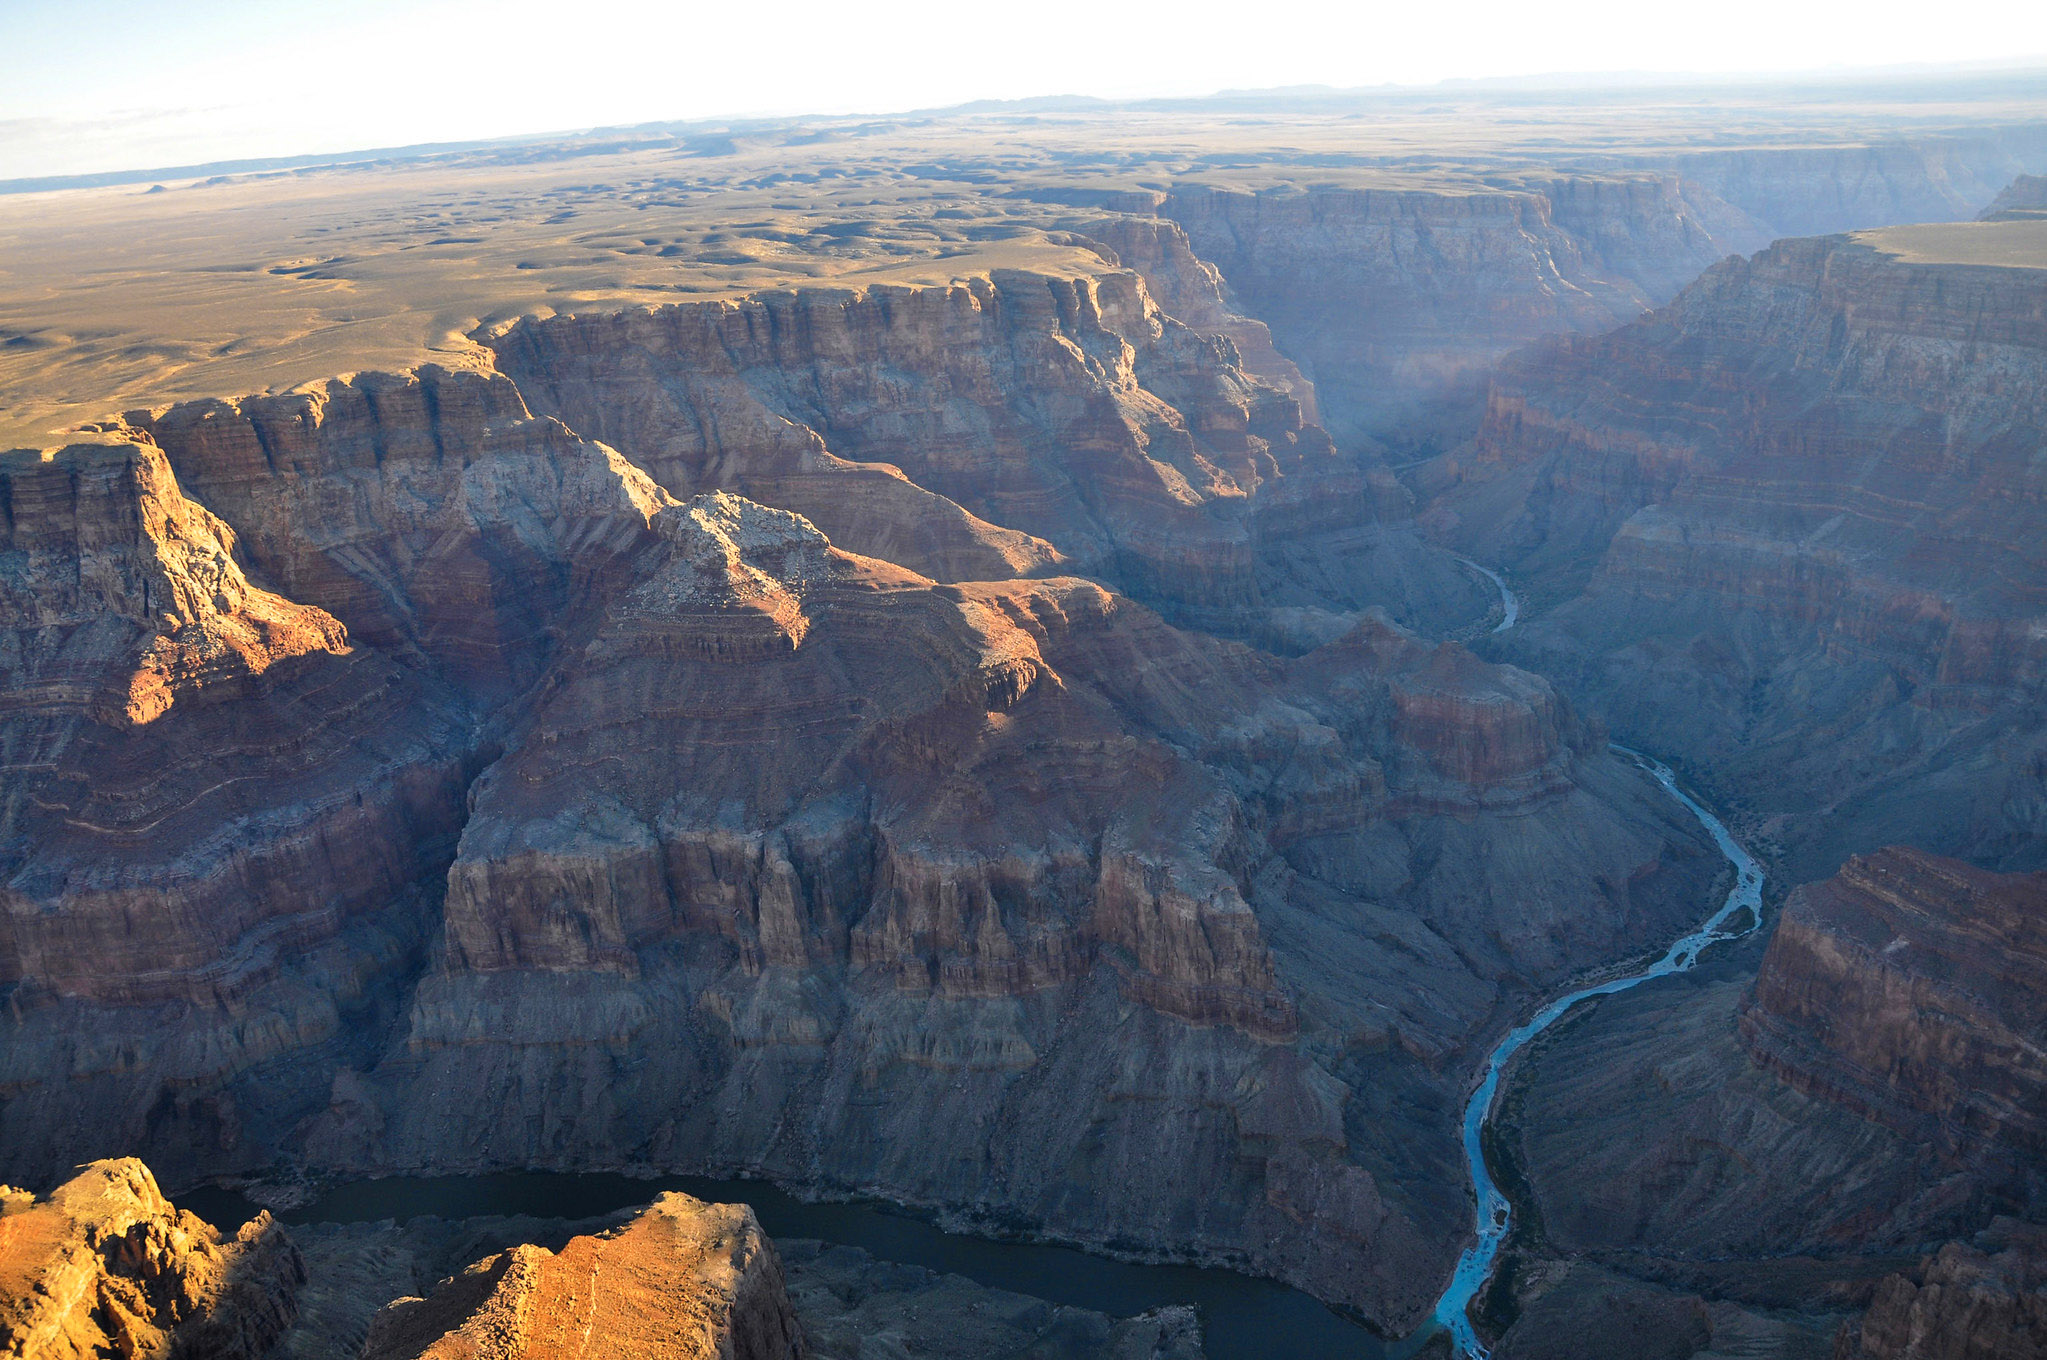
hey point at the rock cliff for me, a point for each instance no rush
(1785, 531)
(1914, 990)
(219, 817)
(2025, 197)
(1011, 426)
(682, 1278)
(1396, 301)
(683, 837)
(1875, 1091)
(104, 1265)
(1808, 190)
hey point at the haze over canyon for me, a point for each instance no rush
(728, 737)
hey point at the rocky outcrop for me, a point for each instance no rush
(681, 1278)
(105, 1265)
(1914, 990)
(1985, 1300)
(1192, 291)
(1784, 530)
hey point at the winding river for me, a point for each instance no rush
(1245, 1318)
(1510, 603)
(1741, 913)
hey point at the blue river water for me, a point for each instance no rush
(1741, 913)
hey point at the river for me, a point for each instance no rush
(1741, 913)
(1243, 1317)
(1510, 603)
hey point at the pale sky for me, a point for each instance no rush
(91, 85)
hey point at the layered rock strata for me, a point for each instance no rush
(105, 1265)
(1013, 426)
(219, 819)
(1784, 530)
(1064, 878)
(1818, 190)
(779, 858)
(681, 1278)
(2024, 198)
(1875, 1090)
(1913, 989)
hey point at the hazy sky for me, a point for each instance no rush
(117, 84)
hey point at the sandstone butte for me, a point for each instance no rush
(684, 1280)
(105, 1265)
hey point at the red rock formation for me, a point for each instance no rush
(429, 512)
(105, 1265)
(1914, 989)
(209, 791)
(1191, 291)
(683, 1280)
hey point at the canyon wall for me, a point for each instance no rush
(1396, 301)
(221, 818)
(1786, 531)
(1820, 190)
(1015, 426)
(678, 836)
(1855, 1129)
(1913, 989)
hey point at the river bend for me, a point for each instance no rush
(1741, 913)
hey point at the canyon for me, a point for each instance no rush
(1073, 699)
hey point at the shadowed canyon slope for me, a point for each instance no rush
(1787, 530)
(1873, 1091)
